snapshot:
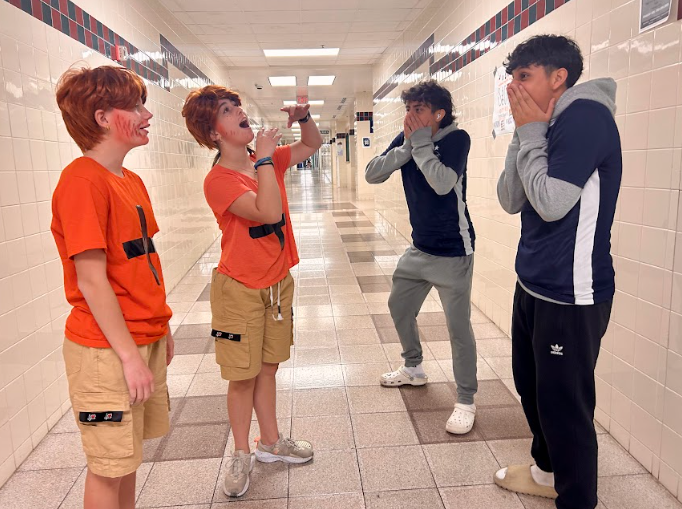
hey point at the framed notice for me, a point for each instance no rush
(653, 13)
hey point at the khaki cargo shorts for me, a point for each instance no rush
(111, 430)
(245, 326)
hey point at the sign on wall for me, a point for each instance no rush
(365, 142)
(653, 13)
(503, 122)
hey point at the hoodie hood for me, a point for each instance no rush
(442, 133)
(602, 90)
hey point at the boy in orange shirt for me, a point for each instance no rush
(118, 342)
(251, 289)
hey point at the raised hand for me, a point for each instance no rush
(266, 142)
(524, 109)
(295, 113)
(411, 123)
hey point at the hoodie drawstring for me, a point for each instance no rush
(279, 317)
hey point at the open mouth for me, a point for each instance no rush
(144, 129)
(244, 123)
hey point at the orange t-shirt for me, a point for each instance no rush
(94, 209)
(256, 255)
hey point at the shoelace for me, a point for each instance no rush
(235, 466)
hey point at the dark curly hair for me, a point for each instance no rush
(551, 52)
(434, 95)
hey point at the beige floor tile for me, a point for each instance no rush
(487, 331)
(327, 432)
(279, 503)
(207, 384)
(180, 483)
(383, 430)
(344, 501)
(501, 366)
(364, 374)
(64, 450)
(315, 339)
(316, 356)
(480, 497)
(381, 471)
(512, 452)
(404, 499)
(312, 377)
(74, 500)
(367, 400)
(461, 464)
(329, 473)
(317, 402)
(614, 460)
(43, 489)
(185, 364)
(353, 322)
(358, 354)
(635, 492)
(352, 337)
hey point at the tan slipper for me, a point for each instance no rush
(517, 478)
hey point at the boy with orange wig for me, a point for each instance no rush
(118, 342)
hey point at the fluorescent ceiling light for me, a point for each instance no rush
(314, 52)
(320, 80)
(312, 103)
(315, 116)
(282, 81)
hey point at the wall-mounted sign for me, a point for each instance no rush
(324, 131)
(653, 13)
(503, 122)
(365, 142)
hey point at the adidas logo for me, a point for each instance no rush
(557, 350)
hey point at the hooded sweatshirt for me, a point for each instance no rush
(433, 170)
(564, 178)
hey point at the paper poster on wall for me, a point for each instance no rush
(365, 142)
(653, 13)
(503, 122)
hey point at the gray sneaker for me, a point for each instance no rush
(236, 480)
(286, 450)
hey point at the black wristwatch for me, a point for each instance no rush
(304, 119)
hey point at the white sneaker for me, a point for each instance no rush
(462, 419)
(401, 377)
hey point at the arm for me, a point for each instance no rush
(265, 206)
(510, 192)
(441, 177)
(396, 155)
(311, 139)
(91, 271)
(554, 186)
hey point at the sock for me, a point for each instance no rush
(417, 371)
(541, 477)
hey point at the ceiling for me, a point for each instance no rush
(237, 32)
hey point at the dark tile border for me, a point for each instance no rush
(511, 20)
(71, 20)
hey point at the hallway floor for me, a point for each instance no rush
(375, 448)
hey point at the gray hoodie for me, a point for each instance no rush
(420, 148)
(525, 170)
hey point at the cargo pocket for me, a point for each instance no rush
(106, 423)
(232, 348)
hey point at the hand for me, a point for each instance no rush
(411, 123)
(170, 347)
(524, 109)
(295, 113)
(139, 379)
(266, 142)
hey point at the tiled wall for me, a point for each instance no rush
(34, 146)
(639, 376)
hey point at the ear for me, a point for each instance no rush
(440, 114)
(214, 136)
(101, 119)
(559, 77)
